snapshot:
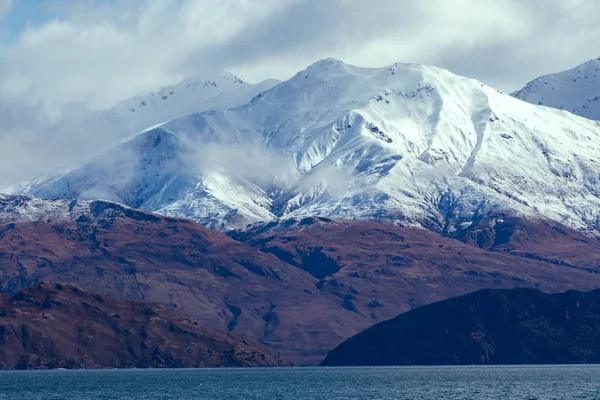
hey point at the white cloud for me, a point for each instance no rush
(251, 161)
(101, 52)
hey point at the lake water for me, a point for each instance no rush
(423, 383)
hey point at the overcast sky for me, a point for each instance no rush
(93, 53)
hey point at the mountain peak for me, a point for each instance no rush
(206, 81)
(195, 94)
(326, 63)
(328, 66)
(576, 90)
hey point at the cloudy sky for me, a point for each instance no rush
(61, 55)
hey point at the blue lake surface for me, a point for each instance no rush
(435, 383)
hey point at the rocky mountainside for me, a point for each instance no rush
(62, 326)
(518, 326)
(576, 90)
(409, 144)
(130, 254)
(379, 268)
(300, 286)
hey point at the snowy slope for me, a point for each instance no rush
(217, 92)
(27, 208)
(155, 171)
(576, 90)
(409, 143)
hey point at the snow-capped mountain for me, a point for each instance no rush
(31, 209)
(408, 143)
(213, 92)
(576, 90)
(94, 131)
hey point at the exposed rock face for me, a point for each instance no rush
(62, 326)
(518, 326)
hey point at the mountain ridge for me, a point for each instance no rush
(134, 255)
(576, 90)
(300, 286)
(408, 144)
(506, 327)
(210, 92)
